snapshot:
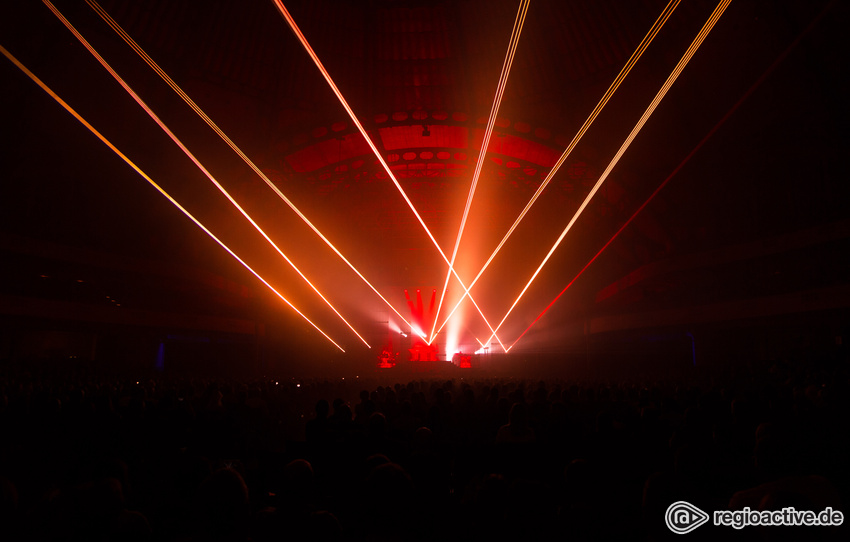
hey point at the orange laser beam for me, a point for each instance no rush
(191, 103)
(359, 125)
(653, 31)
(684, 161)
(129, 162)
(721, 7)
(488, 132)
(197, 163)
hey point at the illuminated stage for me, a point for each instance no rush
(455, 315)
(324, 179)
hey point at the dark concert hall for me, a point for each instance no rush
(391, 270)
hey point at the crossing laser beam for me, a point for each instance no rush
(488, 132)
(150, 181)
(653, 31)
(192, 157)
(362, 130)
(354, 119)
(685, 160)
(191, 103)
(721, 7)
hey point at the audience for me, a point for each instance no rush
(175, 459)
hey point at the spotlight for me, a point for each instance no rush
(425, 131)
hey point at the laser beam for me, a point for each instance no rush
(359, 125)
(191, 103)
(488, 132)
(192, 157)
(685, 160)
(653, 31)
(354, 119)
(721, 7)
(159, 189)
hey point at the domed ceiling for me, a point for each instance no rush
(746, 145)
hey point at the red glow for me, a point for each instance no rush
(329, 151)
(386, 360)
(464, 361)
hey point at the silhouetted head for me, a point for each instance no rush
(377, 425)
(223, 503)
(322, 408)
(518, 415)
(298, 473)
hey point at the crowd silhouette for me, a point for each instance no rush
(88, 457)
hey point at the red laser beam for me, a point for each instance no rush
(129, 162)
(687, 158)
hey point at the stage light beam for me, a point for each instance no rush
(488, 132)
